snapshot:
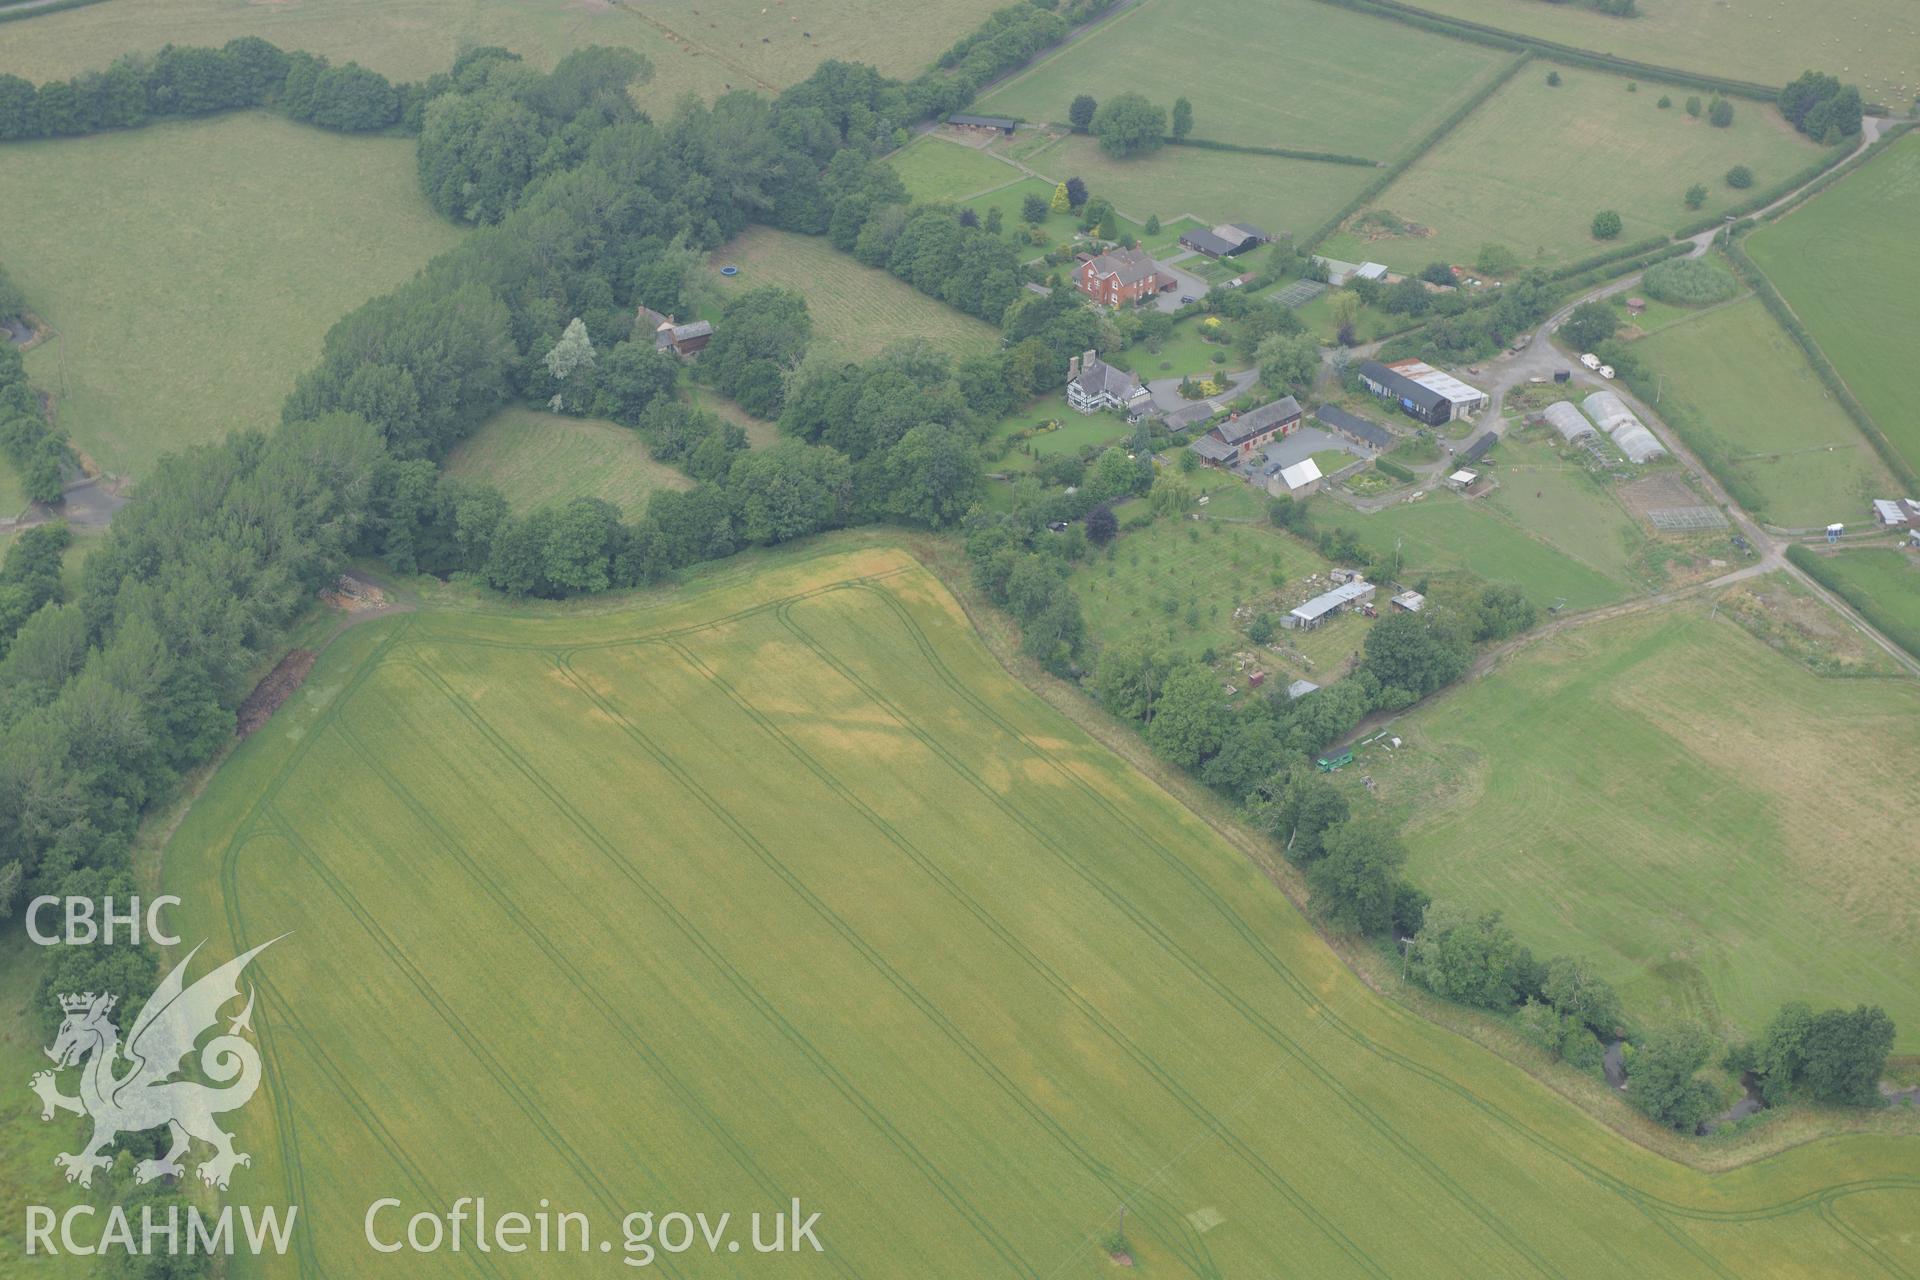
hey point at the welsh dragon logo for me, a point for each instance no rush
(149, 1094)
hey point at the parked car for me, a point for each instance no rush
(1186, 297)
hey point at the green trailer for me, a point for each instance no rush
(1329, 763)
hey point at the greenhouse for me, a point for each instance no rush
(1628, 432)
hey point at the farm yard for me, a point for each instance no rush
(1850, 272)
(543, 459)
(1716, 826)
(1226, 55)
(695, 46)
(1533, 164)
(857, 310)
(1739, 390)
(182, 317)
(843, 907)
(1767, 42)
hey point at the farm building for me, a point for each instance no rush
(1242, 433)
(668, 335)
(1462, 479)
(1465, 400)
(1353, 426)
(1300, 480)
(1121, 276)
(1225, 241)
(1618, 421)
(1897, 513)
(1478, 449)
(1093, 385)
(1565, 417)
(1188, 416)
(1421, 403)
(1325, 605)
(1339, 273)
(689, 339)
(1300, 689)
(987, 124)
(1409, 602)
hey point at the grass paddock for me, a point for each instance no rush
(1718, 828)
(1848, 264)
(543, 459)
(1534, 163)
(857, 310)
(188, 301)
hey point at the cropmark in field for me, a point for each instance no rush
(804, 897)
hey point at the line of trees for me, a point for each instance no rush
(194, 80)
(36, 448)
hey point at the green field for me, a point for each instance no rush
(1872, 43)
(802, 896)
(1442, 533)
(1282, 73)
(696, 46)
(1741, 392)
(1850, 270)
(936, 169)
(1719, 829)
(1276, 195)
(857, 310)
(1533, 164)
(188, 302)
(542, 459)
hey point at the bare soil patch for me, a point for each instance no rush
(280, 684)
(1656, 493)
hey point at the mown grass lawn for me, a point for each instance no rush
(935, 168)
(191, 269)
(1281, 73)
(1533, 164)
(1848, 266)
(857, 310)
(543, 459)
(801, 895)
(1718, 828)
(1734, 382)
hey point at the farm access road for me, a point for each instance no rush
(1540, 358)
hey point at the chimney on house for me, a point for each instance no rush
(1090, 359)
(1073, 368)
